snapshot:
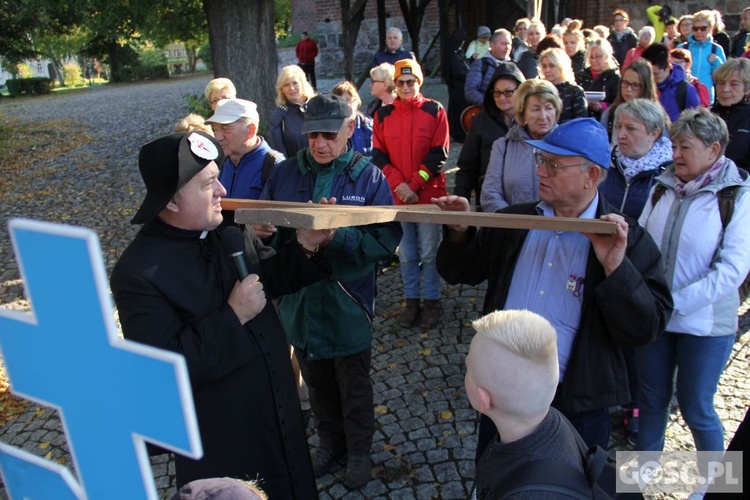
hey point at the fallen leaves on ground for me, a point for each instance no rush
(24, 143)
(11, 406)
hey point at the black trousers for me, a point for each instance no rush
(309, 69)
(342, 399)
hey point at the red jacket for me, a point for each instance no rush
(306, 51)
(410, 144)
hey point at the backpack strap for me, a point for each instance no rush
(726, 204)
(681, 94)
(269, 161)
(659, 190)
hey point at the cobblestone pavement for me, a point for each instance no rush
(426, 430)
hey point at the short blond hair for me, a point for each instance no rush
(705, 15)
(292, 71)
(540, 88)
(521, 332)
(384, 72)
(508, 343)
(738, 64)
(219, 84)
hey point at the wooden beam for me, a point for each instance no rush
(318, 216)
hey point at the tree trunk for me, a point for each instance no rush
(191, 49)
(115, 64)
(243, 48)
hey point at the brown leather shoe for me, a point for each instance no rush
(409, 313)
(430, 315)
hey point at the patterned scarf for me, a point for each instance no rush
(684, 189)
(660, 153)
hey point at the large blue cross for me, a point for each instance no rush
(111, 393)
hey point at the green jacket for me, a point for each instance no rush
(333, 318)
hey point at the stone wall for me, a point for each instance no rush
(323, 18)
(600, 12)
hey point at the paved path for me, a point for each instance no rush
(425, 438)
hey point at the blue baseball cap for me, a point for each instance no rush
(584, 137)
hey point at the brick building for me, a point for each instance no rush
(323, 18)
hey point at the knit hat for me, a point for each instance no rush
(483, 31)
(408, 67)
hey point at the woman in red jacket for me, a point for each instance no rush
(410, 145)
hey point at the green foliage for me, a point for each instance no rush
(151, 56)
(204, 52)
(282, 10)
(289, 41)
(31, 86)
(72, 75)
(23, 70)
(148, 63)
(198, 104)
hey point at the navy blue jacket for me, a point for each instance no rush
(629, 198)
(245, 181)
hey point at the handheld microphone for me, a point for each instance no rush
(234, 243)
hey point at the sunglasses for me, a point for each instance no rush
(328, 136)
(700, 28)
(505, 93)
(408, 83)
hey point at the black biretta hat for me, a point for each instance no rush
(169, 163)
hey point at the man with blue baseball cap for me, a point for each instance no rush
(600, 292)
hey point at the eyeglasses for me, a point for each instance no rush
(408, 83)
(700, 28)
(505, 93)
(550, 166)
(328, 136)
(631, 85)
(620, 19)
(377, 81)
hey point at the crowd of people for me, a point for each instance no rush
(569, 121)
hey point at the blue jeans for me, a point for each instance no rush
(420, 243)
(699, 362)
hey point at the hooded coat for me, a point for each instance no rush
(702, 68)
(486, 127)
(668, 93)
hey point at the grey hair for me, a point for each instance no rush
(703, 125)
(646, 111)
(588, 164)
(395, 29)
(498, 32)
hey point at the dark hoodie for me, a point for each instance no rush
(486, 128)
(668, 93)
